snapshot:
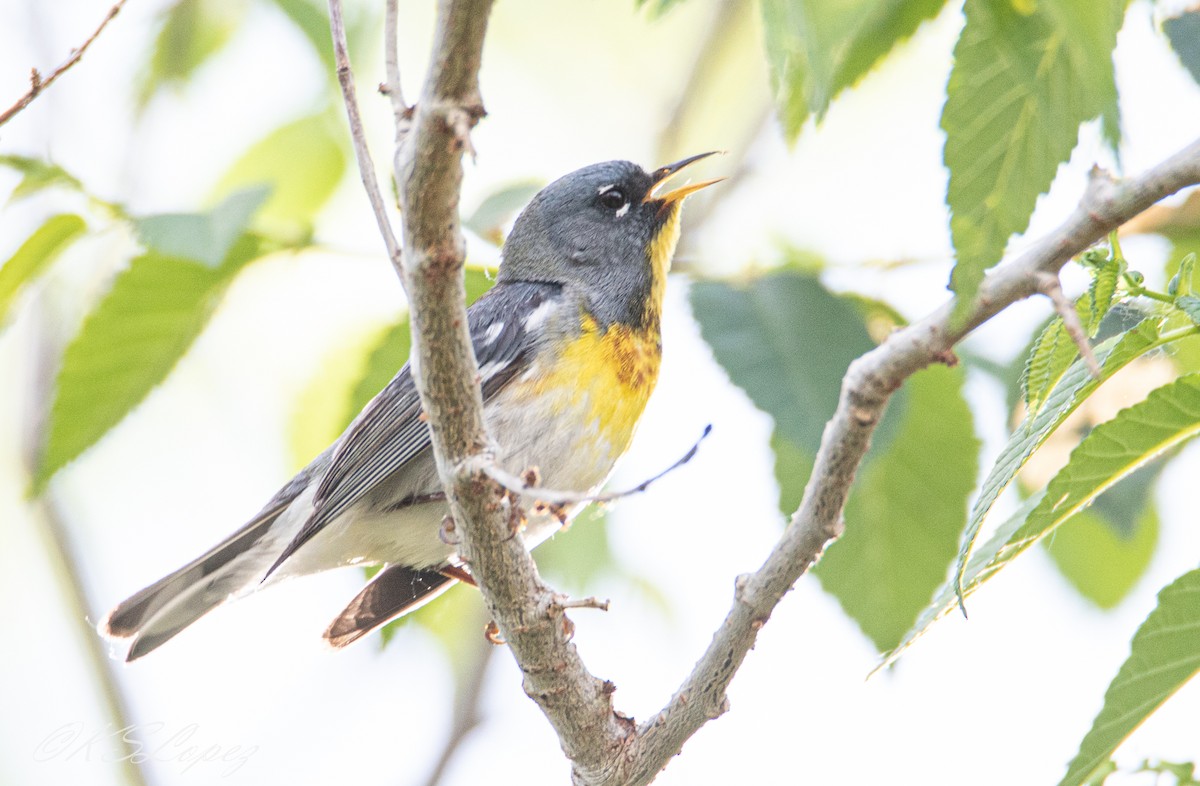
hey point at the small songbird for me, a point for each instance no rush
(568, 343)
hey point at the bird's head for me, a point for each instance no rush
(606, 229)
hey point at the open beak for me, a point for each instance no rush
(663, 174)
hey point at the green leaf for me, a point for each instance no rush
(498, 207)
(817, 48)
(1070, 391)
(193, 31)
(1168, 417)
(1022, 82)
(1183, 277)
(38, 175)
(786, 341)
(1101, 292)
(1183, 32)
(129, 343)
(1053, 353)
(906, 511)
(203, 237)
(883, 26)
(1098, 561)
(302, 163)
(35, 254)
(1190, 305)
(1164, 655)
(980, 567)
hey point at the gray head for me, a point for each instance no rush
(602, 228)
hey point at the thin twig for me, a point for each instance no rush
(1050, 286)
(527, 485)
(393, 88)
(362, 153)
(38, 83)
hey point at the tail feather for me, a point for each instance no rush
(395, 591)
(157, 613)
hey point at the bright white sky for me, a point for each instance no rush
(1002, 699)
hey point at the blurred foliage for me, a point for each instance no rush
(1183, 31)
(192, 32)
(153, 312)
(786, 340)
(301, 163)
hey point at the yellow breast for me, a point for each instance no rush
(601, 381)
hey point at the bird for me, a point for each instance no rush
(568, 345)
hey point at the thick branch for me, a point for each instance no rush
(604, 746)
(866, 389)
(529, 615)
(38, 83)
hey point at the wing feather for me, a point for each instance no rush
(389, 432)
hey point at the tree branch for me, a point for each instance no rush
(38, 83)
(362, 153)
(605, 747)
(869, 384)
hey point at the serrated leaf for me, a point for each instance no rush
(203, 237)
(1101, 291)
(37, 175)
(128, 344)
(35, 255)
(302, 163)
(787, 341)
(905, 512)
(1164, 655)
(817, 48)
(884, 25)
(1070, 391)
(1021, 85)
(1183, 32)
(499, 206)
(980, 567)
(192, 32)
(1169, 417)
(1052, 354)
(1098, 561)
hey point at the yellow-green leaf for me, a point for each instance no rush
(35, 254)
(128, 344)
(302, 163)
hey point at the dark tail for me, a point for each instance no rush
(396, 590)
(154, 615)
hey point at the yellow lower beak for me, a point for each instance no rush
(663, 174)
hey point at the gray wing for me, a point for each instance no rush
(389, 432)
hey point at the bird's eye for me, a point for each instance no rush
(613, 199)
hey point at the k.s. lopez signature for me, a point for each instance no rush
(140, 743)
